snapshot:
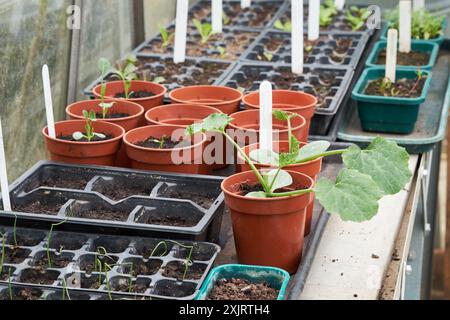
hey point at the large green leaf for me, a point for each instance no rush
(278, 179)
(264, 156)
(312, 150)
(354, 196)
(216, 121)
(384, 161)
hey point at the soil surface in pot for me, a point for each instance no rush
(239, 289)
(142, 268)
(123, 191)
(40, 277)
(407, 88)
(94, 139)
(135, 95)
(4, 275)
(162, 143)
(24, 294)
(88, 282)
(201, 200)
(101, 214)
(176, 270)
(39, 208)
(112, 116)
(58, 262)
(124, 286)
(15, 255)
(173, 221)
(413, 58)
(242, 189)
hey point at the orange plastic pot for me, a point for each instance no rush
(225, 99)
(248, 122)
(116, 87)
(93, 153)
(294, 101)
(163, 159)
(184, 115)
(134, 120)
(268, 232)
(311, 169)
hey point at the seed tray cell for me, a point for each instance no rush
(109, 264)
(340, 49)
(234, 44)
(261, 14)
(121, 201)
(191, 72)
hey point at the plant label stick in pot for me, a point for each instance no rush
(246, 3)
(297, 36)
(3, 174)
(266, 114)
(391, 54)
(181, 31)
(217, 18)
(314, 20)
(340, 4)
(405, 26)
(418, 4)
(48, 101)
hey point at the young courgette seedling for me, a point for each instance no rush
(204, 29)
(90, 134)
(382, 169)
(166, 36)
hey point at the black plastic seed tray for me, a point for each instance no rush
(101, 265)
(339, 49)
(119, 201)
(192, 72)
(329, 84)
(339, 23)
(260, 15)
(233, 42)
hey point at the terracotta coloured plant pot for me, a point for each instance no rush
(294, 101)
(161, 159)
(248, 122)
(93, 153)
(116, 87)
(311, 169)
(185, 115)
(225, 99)
(268, 232)
(136, 112)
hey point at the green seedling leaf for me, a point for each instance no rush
(100, 135)
(312, 150)
(259, 194)
(354, 196)
(77, 136)
(278, 179)
(205, 30)
(265, 157)
(107, 105)
(104, 65)
(226, 19)
(384, 161)
(215, 122)
(282, 115)
(159, 80)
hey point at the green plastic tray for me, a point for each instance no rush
(432, 121)
(417, 46)
(276, 278)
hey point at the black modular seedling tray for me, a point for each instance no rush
(126, 267)
(339, 23)
(334, 81)
(275, 47)
(191, 72)
(119, 201)
(235, 42)
(261, 14)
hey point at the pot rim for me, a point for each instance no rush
(45, 130)
(167, 106)
(269, 166)
(298, 93)
(231, 194)
(232, 125)
(156, 96)
(128, 143)
(212, 104)
(141, 110)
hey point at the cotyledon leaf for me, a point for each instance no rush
(384, 161)
(354, 196)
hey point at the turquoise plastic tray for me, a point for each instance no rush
(417, 45)
(276, 278)
(431, 125)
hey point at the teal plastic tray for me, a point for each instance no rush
(417, 46)
(276, 278)
(432, 121)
